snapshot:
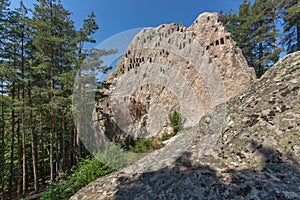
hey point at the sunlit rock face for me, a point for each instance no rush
(256, 154)
(169, 68)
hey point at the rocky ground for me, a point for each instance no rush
(255, 154)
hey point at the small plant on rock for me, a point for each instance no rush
(176, 121)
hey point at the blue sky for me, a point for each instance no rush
(115, 16)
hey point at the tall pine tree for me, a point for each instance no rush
(54, 34)
(255, 29)
(291, 16)
(4, 9)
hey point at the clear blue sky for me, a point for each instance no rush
(115, 16)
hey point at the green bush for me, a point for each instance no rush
(87, 171)
(143, 146)
(129, 143)
(146, 145)
(113, 156)
(167, 136)
(176, 121)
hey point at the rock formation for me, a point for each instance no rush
(171, 67)
(256, 156)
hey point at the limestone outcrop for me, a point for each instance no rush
(256, 154)
(172, 67)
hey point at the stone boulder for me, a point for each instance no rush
(171, 67)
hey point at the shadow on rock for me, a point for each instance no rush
(182, 180)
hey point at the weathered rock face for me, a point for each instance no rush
(225, 54)
(171, 67)
(256, 156)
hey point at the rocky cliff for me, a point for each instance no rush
(247, 148)
(171, 67)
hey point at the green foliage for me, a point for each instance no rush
(113, 156)
(255, 29)
(176, 121)
(291, 17)
(40, 54)
(87, 171)
(129, 143)
(167, 136)
(143, 146)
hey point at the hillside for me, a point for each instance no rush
(255, 154)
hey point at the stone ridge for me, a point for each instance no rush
(202, 58)
(256, 157)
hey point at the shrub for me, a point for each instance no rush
(87, 171)
(176, 121)
(165, 137)
(143, 146)
(146, 145)
(113, 156)
(129, 142)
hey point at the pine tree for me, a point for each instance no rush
(291, 16)
(14, 55)
(265, 34)
(25, 53)
(4, 9)
(88, 65)
(83, 36)
(240, 27)
(54, 34)
(64, 77)
(39, 60)
(2, 161)
(11, 56)
(255, 30)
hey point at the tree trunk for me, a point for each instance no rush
(57, 149)
(77, 146)
(19, 181)
(24, 168)
(42, 148)
(51, 100)
(21, 129)
(298, 35)
(33, 143)
(34, 153)
(260, 55)
(2, 164)
(51, 147)
(77, 133)
(79, 120)
(72, 141)
(274, 31)
(51, 137)
(63, 141)
(12, 148)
